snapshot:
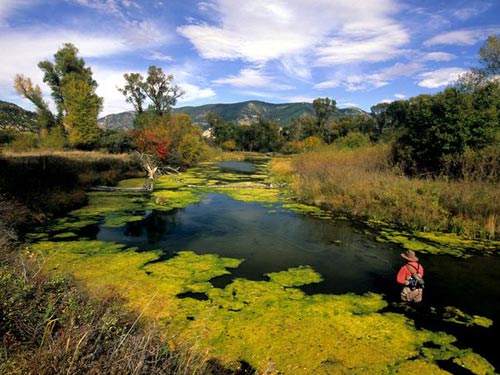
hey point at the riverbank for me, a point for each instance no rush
(361, 184)
(52, 323)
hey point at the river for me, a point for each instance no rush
(271, 238)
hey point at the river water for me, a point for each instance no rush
(272, 239)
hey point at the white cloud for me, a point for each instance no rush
(251, 78)
(470, 12)
(330, 84)
(113, 7)
(400, 96)
(438, 56)
(27, 49)
(353, 45)
(193, 93)
(440, 77)
(109, 81)
(158, 56)
(10, 7)
(336, 31)
(364, 82)
(300, 99)
(144, 34)
(467, 37)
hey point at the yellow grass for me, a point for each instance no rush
(362, 184)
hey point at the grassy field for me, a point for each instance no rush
(361, 183)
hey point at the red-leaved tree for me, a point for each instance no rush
(152, 145)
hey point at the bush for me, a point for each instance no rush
(23, 142)
(116, 142)
(352, 140)
(308, 144)
(53, 139)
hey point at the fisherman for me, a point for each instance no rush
(410, 276)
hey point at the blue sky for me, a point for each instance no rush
(359, 53)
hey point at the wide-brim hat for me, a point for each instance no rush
(409, 255)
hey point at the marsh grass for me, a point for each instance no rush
(362, 183)
(53, 183)
(50, 326)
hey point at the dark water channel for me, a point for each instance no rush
(350, 260)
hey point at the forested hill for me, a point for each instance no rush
(16, 118)
(243, 113)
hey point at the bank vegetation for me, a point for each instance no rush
(363, 183)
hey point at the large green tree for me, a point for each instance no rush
(73, 90)
(324, 108)
(66, 67)
(82, 106)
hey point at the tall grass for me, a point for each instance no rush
(362, 183)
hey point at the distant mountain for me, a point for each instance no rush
(243, 113)
(117, 121)
(14, 117)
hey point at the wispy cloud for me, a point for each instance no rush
(353, 45)
(370, 81)
(438, 56)
(194, 93)
(113, 7)
(251, 78)
(158, 56)
(335, 32)
(440, 77)
(474, 10)
(10, 7)
(465, 37)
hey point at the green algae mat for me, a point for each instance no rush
(271, 324)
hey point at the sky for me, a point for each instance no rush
(357, 52)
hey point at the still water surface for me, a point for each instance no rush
(272, 239)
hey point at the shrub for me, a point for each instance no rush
(352, 140)
(23, 142)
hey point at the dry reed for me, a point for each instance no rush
(362, 183)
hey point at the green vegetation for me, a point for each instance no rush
(362, 184)
(49, 324)
(73, 91)
(270, 324)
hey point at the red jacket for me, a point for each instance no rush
(404, 273)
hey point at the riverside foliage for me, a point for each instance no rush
(363, 184)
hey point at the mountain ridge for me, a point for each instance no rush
(241, 112)
(14, 117)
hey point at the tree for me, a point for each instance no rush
(157, 87)
(489, 56)
(324, 108)
(73, 91)
(67, 67)
(222, 131)
(24, 86)
(83, 107)
(152, 145)
(133, 91)
(379, 113)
